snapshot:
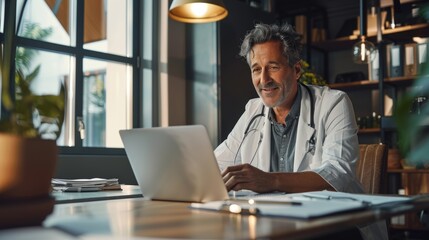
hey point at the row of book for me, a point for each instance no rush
(318, 33)
(369, 121)
(402, 60)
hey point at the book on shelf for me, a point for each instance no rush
(422, 54)
(396, 60)
(401, 60)
(410, 60)
(371, 24)
(301, 27)
(374, 66)
(318, 35)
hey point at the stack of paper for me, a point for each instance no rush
(85, 185)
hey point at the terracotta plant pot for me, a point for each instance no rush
(394, 159)
(27, 166)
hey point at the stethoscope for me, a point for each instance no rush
(311, 141)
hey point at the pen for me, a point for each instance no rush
(318, 196)
(253, 201)
(327, 197)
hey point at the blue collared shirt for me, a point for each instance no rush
(283, 138)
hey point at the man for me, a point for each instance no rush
(282, 139)
(293, 138)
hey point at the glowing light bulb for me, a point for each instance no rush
(235, 208)
(363, 51)
(199, 9)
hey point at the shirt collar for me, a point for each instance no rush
(294, 111)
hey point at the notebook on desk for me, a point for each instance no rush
(174, 163)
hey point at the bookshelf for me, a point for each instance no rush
(373, 84)
(398, 34)
(412, 181)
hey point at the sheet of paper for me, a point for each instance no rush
(312, 204)
(308, 208)
(32, 233)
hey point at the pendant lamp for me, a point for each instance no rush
(197, 11)
(363, 51)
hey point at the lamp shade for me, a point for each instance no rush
(197, 11)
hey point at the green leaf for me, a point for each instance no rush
(419, 154)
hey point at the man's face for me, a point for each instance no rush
(274, 80)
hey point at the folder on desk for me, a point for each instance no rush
(85, 185)
(312, 204)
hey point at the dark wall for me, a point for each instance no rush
(235, 83)
(88, 166)
(337, 11)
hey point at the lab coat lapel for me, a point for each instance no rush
(264, 154)
(304, 131)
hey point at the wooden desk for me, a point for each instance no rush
(162, 219)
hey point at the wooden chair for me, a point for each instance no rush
(371, 167)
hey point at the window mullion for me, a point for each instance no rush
(79, 68)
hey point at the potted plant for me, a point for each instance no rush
(27, 160)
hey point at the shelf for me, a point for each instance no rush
(358, 85)
(403, 33)
(368, 130)
(400, 81)
(408, 170)
(388, 123)
(373, 84)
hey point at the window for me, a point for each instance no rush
(88, 46)
(106, 102)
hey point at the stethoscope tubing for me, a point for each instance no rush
(248, 129)
(262, 114)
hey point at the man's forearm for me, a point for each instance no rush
(299, 182)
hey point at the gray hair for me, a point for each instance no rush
(290, 40)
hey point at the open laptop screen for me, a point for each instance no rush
(174, 163)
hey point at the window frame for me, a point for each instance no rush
(79, 53)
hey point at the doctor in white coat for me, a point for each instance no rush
(324, 144)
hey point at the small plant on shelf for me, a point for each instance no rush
(308, 75)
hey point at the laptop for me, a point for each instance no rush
(174, 163)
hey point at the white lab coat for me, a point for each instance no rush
(333, 156)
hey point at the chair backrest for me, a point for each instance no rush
(371, 167)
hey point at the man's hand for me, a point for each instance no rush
(246, 176)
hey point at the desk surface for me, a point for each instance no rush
(125, 215)
(163, 219)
